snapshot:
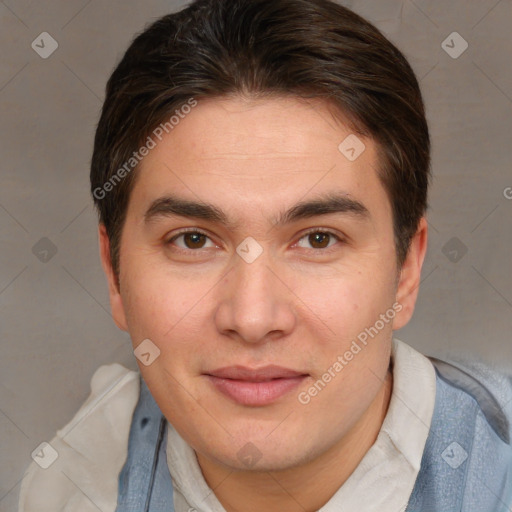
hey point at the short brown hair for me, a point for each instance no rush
(307, 48)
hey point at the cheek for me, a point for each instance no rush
(152, 306)
(346, 302)
(355, 347)
(167, 309)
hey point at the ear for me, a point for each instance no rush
(410, 275)
(116, 302)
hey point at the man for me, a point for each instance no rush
(260, 171)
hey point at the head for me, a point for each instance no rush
(289, 139)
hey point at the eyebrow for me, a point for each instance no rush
(169, 206)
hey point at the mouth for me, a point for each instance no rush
(255, 387)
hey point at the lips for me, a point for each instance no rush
(255, 375)
(255, 387)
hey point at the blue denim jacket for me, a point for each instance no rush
(466, 465)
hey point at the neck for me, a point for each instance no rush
(306, 488)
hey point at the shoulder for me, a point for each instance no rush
(78, 469)
(467, 463)
(486, 387)
(467, 460)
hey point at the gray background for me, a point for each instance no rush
(55, 325)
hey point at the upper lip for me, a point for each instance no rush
(254, 374)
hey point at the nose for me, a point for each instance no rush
(256, 304)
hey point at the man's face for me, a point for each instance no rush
(261, 290)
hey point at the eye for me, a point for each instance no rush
(320, 238)
(192, 239)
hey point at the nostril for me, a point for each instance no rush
(144, 422)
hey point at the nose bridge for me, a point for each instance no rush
(254, 301)
(252, 279)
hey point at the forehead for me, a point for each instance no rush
(264, 152)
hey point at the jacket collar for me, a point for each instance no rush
(145, 482)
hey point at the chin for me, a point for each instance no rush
(261, 453)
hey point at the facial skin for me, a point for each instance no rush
(299, 304)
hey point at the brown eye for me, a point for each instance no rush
(194, 240)
(190, 240)
(320, 239)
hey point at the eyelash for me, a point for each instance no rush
(310, 232)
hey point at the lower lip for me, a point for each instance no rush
(255, 393)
